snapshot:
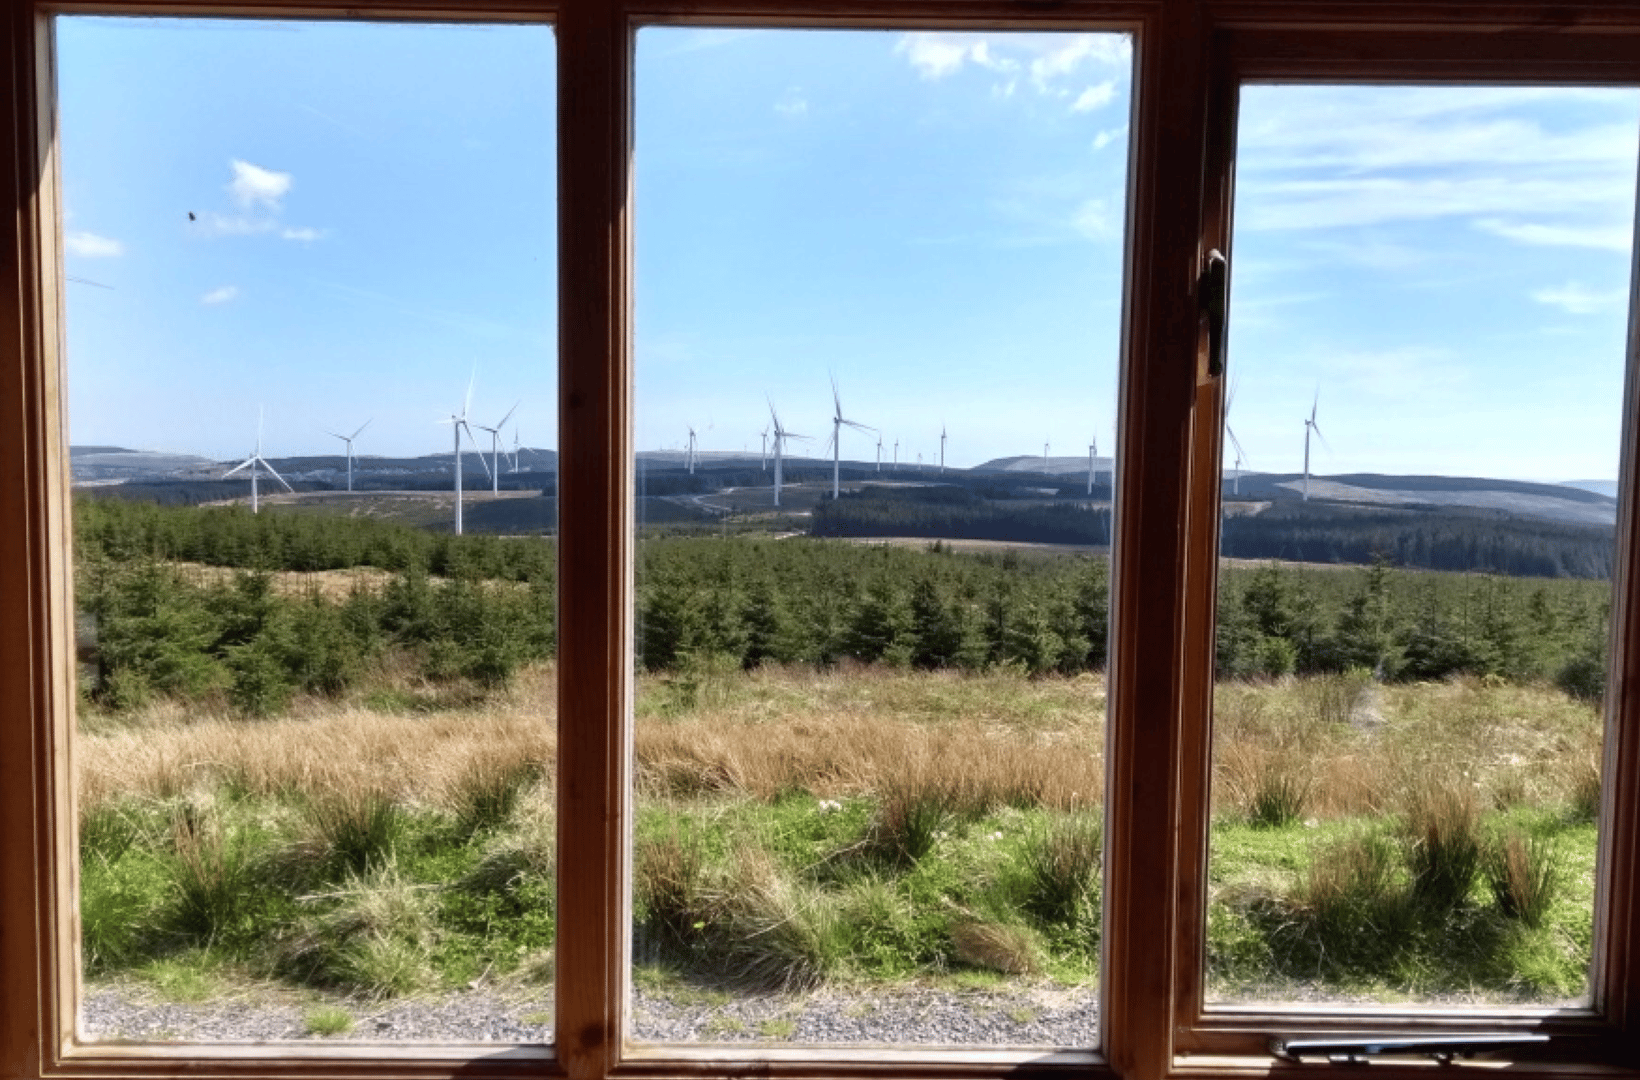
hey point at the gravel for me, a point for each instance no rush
(1038, 1016)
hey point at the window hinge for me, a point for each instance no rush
(1442, 1048)
(1213, 290)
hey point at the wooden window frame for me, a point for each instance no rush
(1188, 58)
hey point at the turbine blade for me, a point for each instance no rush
(1230, 433)
(476, 449)
(276, 476)
(510, 411)
(1324, 445)
(467, 402)
(362, 426)
(236, 468)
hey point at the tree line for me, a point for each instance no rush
(475, 608)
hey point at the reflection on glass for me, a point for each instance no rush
(314, 735)
(1427, 348)
(877, 312)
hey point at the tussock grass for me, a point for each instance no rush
(1524, 873)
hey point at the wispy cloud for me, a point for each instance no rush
(305, 234)
(1615, 237)
(1046, 61)
(1576, 299)
(1108, 136)
(211, 223)
(221, 295)
(92, 246)
(1530, 165)
(792, 103)
(253, 185)
(1095, 97)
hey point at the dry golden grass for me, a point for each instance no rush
(333, 585)
(1365, 748)
(981, 740)
(323, 748)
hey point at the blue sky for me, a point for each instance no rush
(934, 220)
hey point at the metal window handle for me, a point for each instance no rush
(1213, 288)
(1344, 1050)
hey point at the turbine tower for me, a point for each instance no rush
(780, 437)
(1235, 483)
(1093, 452)
(942, 449)
(896, 466)
(348, 439)
(689, 454)
(837, 422)
(765, 447)
(255, 462)
(495, 449)
(457, 422)
(1044, 459)
(1309, 426)
(879, 451)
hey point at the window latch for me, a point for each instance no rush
(1213, 290)
(1442, 1048)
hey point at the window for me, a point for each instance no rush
(1189, 58)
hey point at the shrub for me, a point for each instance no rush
(212, 872)
(1062, 869)
(1444, 846)
(994, 946)
(1524, 874)
(1584, 678)
(910, 817)
(1278, 798)
(358, 830)
(668, 882)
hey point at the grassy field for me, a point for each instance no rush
(858, 823)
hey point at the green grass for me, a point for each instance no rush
(327, 1020)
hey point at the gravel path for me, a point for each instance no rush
(1031, 1017)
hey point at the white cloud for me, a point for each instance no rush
(211, 223)
(1069, 52)
(1530, 165)
(1092, 220)
(936, 55)
(1108, 136)
(305, 233)
(220, 295)
(1576, 299)
(1095, 97)
(92, 246)
(253, 185)
(1601, 237)
(792, 103)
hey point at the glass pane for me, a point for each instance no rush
(1429, 330)
(878, 298)
(315, 736)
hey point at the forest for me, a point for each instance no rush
(475, 608)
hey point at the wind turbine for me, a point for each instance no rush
(689, 454)
(879, 451)
(1044, 459)
(765, 434)
(942, 449)
(256, 461)
(896, 466)
(1309, 426)
(457, 422)
(837, 422)
(495, 448)
(348, 439)
(780, 437)
(1093, 452)
(514, 455)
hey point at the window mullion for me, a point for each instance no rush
(1146, 865)
(595, 530)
